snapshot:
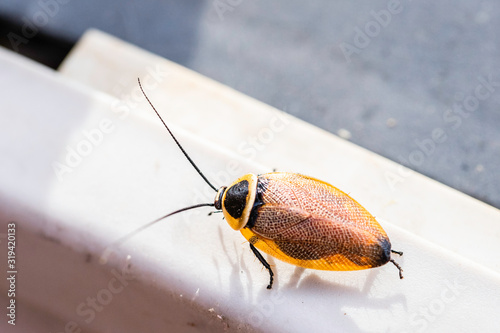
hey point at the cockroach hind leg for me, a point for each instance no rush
(398, 267)
(400, 253)
(265, 263)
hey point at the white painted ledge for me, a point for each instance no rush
(192, 272)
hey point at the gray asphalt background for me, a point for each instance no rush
(415, 81)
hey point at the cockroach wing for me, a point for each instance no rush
(310, 223)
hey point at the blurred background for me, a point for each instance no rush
(415, 81)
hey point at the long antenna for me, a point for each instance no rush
(107, 252)
(177, 142)
(130, 234)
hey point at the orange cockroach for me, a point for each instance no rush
(297, 219)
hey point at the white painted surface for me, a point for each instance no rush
(192, 272)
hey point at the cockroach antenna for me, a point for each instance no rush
(132, 233)
(177, 142)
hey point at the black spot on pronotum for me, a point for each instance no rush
(236, 199)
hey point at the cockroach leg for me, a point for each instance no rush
(265, 263)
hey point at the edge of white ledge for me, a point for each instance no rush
(194, 273)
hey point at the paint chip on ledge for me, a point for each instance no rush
(344, 133)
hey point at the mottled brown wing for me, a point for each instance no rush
(318, 198)
(312, 224)
(305, 237)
